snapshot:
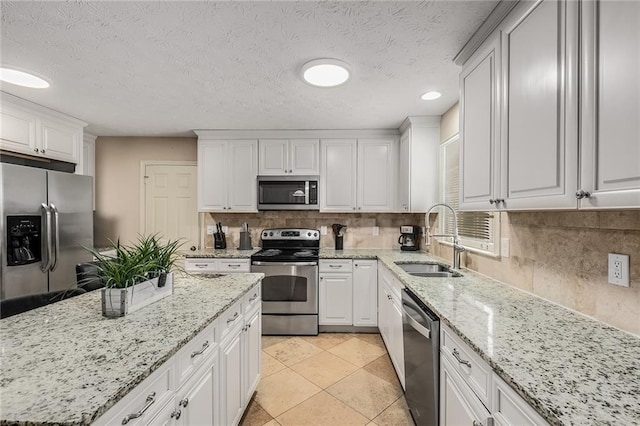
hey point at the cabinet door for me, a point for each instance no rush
(539, 126)
(610, 166)
(60, 141)
(338, 175)
(458, 405)
(165, 417)
(334, 305)
(304, 156)
(365, 293)
(480, 144)
(18, 131)
(273, 157)
(404, 171)
(197, 399)
(252, 348)
(232, 391)
(376, 175)
(396, 351)
(212, 176)
(242, 161)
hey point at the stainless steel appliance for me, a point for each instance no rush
(288, 193)
(409, 237)
(46, 218)
(289, 260)
(421, 336)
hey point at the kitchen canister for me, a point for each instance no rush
(245, 241)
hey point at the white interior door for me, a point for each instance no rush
(170, 207)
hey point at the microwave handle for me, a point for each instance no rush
(306, 192)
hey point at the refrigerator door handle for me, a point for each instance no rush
(56, 242)
(47, 238)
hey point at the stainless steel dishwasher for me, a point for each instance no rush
(421, 335)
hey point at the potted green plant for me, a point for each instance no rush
(137, 275)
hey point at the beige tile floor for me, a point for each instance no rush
(327, 380)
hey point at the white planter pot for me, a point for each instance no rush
(117, 302)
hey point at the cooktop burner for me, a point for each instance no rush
(281, 245)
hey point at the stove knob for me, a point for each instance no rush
(264, 235)
(315, 234)
(308, 234)
(271, 234)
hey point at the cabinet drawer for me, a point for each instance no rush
(233, 265)
(510, 409)
(230, 319)
(195, 353)
(252, 298)
(336, 265)
(473, 369)
(204, 265)
(145, 399)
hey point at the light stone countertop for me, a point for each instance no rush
(65, 364)
(570, 368)
(222, 254)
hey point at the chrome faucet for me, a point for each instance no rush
(457, 248)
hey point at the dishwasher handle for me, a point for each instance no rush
(415, 324)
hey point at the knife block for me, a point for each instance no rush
(219, 240)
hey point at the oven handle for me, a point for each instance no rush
(284, 263)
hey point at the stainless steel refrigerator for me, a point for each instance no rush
(46, 220)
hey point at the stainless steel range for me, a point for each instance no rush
(289, 260)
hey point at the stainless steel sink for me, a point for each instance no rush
(428, 269)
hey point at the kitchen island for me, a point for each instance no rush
(570, 368)
(66, 364)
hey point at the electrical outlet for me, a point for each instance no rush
(323, 230)
(211, 230)
(225, 229)
(375, 231)
(619, 269)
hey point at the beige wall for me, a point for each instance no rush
(562, 257)
(449, 122)
(118, 180)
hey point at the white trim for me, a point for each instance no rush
(33, 107)
(295, 134)
(143, 166)
(420, 121)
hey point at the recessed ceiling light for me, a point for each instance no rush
(325, 72)
(429, 96)
(22, 78)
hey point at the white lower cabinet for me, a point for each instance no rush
(390, 318)
(208, 382)
(472, 394)
(348, 292)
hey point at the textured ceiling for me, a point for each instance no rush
(163, 68)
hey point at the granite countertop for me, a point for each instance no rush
(66, 364)
(221, 253)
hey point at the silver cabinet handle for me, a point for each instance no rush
(235, 317)
(491, 201)
(148, 403)
(456, 355)
(42, 151)
(254, 297)
(36, 149)
(233, 265)
(583, 194)
(56, 233)
(200, 265)
(176, 414)
(183, 402)
(335, 266)
(201, 351)
(476, 423)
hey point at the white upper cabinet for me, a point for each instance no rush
(376, 175)
(227, 175)
(539, 111)
(479, 129)
(338, 175)
(418, 165)
(31, 129)
(289, 157)
(358, 175)
(610, 105)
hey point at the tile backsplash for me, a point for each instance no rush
(562, 257)
(359, 232)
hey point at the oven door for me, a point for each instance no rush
(288, 287)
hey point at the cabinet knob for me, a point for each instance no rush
(492, 201)
(36, 149)
(176, 414)
(42, 151)
(290, 171)
(500, 200)
(184, 402)
(228, 208)
(582, 194)
(359, 208)
(192, 248)
(354, 208)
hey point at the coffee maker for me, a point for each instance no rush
(409, 237)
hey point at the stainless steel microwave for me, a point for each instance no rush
(288, 193)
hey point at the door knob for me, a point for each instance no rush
(193, 248)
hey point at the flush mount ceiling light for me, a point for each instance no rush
(22, 78)
(325, 72)
(429, 96)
